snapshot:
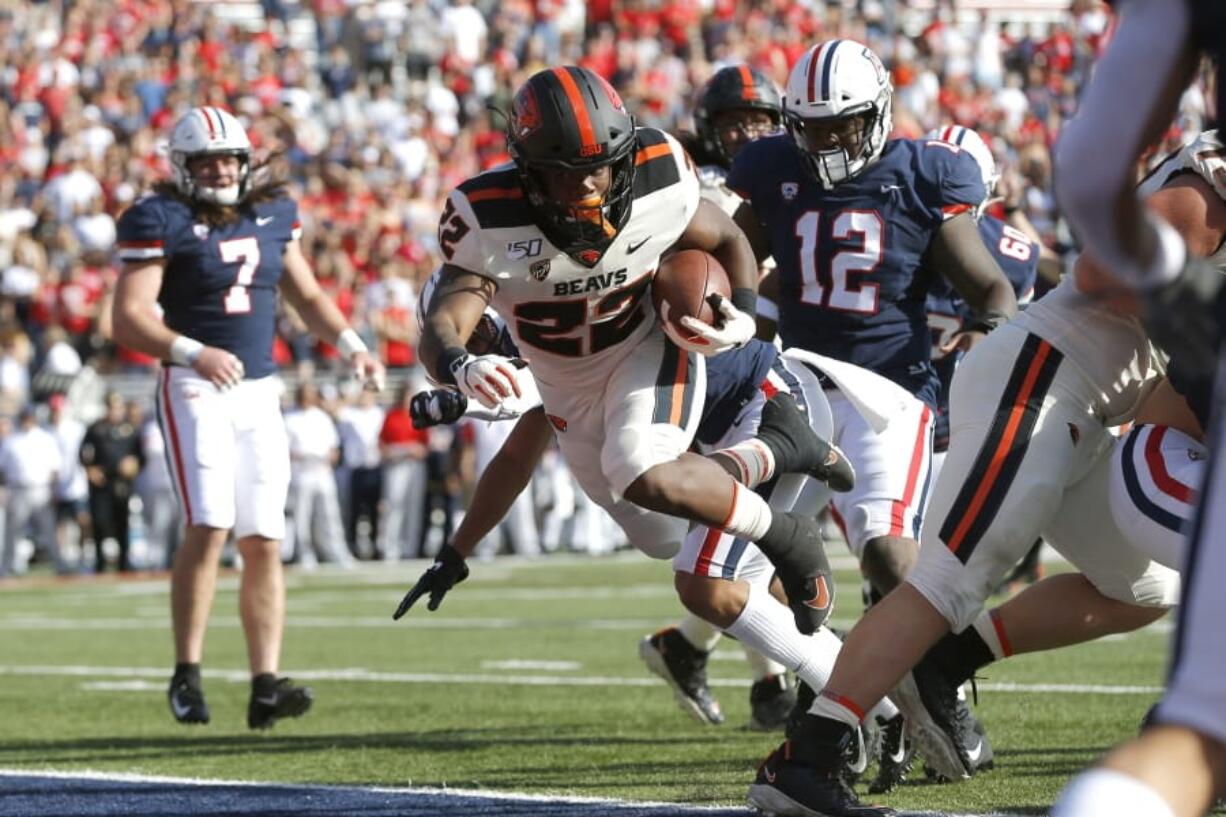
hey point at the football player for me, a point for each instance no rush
(564, 242)
(736, 105)
(212, 248)
(1030, 453)
(1177, 767)
(851, 220)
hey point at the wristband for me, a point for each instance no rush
(768, 309)
(448, 361)
(350, 343)
(746, 300)
(185, 350)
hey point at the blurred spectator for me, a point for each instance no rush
(29, 466)
(72, 521)
(314, 450)
(112, 456)
(159, 507)
(403, 452)
(359, 426)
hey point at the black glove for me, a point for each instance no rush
(437, 407)
(1182, 316)
(447, 571)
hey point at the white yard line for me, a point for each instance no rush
(381, 677)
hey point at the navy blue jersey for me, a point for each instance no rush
(220, 284)
(1018, 257)
(733, 378)
(852, 281)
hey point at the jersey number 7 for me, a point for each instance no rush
(246, 253)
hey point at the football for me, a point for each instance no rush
(683, 285)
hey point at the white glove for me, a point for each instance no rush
(488, 379)
(738, 329)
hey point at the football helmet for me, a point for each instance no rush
(735, 88)
(210, 131)
(832, 83)
(972, 143)
(565, 119)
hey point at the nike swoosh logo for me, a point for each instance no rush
(899, 755)
(180, 710)
(633, 247)
(974, 753)
(821, 596)
(262, 220)
(770, 776)
(271, 700)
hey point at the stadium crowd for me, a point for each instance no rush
(373, 118)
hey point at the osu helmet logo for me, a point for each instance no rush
(526, 112)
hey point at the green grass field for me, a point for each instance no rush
(526, 680)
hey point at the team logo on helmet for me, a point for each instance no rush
(526, 112)
(539, 270)
(614, 97)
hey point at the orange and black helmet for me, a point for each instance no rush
(735, 88)
(569, 118)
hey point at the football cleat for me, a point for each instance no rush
(974, 740)
(797, 448)
(807, 781)
(930, 702)
(770, 703)
(895, 755)
(280, 699)
(187, 702)
(684, 667)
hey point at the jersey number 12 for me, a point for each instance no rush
(833, 288)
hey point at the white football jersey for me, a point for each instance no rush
(1206, 157)
(573, 321)
(713, 180)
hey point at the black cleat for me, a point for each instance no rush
(930, 702)
(276, 700)
(770, 703)
(797, 448)
(187, 701)
(804, 778)
(684, 667)
(799, 556)
(974, 741)
(895, 756)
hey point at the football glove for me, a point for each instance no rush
(448, 570)
(1182, 316)
(736, 329)
(437, 407)
(488, 379)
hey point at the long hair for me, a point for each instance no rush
(270, 185)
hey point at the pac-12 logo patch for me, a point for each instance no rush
(789, 190)
(201, 231)
(539, 270)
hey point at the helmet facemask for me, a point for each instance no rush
(834, 165)
(587, 225)
(227, 196)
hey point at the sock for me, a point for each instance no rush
(753, 461)
(961, 655)
(188, 672)
(761, 665)
(749, 517)
(885, 710)
(837, 708)
(1108, 793)
(991, 631)
(768, 627)
(263, 683)
(701, 635)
